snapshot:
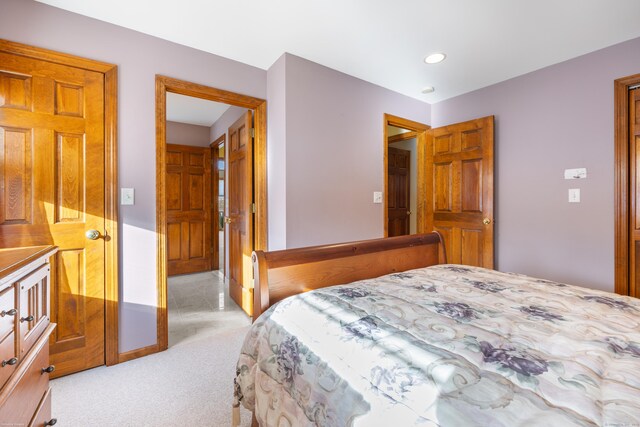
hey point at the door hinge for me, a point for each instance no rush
(253, 208)
(252, 132)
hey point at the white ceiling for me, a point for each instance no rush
(383, 41)
(194, 111)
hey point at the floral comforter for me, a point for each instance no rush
(445, 346)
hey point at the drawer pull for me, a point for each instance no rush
(27, 319)
(11, 312)
(51, 422)
(11, 362)
(48, 369)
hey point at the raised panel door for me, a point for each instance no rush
(460, 184)
(52, 190)
(240, 217)
(188, 192)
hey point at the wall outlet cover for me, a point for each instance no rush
(377, 197)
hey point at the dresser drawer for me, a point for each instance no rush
(8, 311)
(8, 358)
(23, 400)
(34, 306)
(42, 418)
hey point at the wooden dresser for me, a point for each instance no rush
(25, 396)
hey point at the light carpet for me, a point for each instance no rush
(190, 384)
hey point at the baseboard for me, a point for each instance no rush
(140, 352)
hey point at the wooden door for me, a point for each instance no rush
(240, 217)
(188, 191)
(460, 179)
(398, 197)
(52, 192)
(634, 218)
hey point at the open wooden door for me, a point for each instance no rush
(460, 182)
(188, 209)
(52, 191)
(240, 217)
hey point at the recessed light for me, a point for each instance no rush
(428, 89)
(434, 58)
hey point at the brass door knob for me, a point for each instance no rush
(408, 212)
(92, 234)
(228, 220)
(486, 221)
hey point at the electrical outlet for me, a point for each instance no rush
(377, 197)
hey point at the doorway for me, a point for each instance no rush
(627, 169)
(404, 181)
(201, 195)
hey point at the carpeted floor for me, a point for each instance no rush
(190, 384)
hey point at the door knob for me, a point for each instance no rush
(92, 234)
(486, 221)
(408, 212)
(228, 220)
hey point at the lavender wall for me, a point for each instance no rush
(277, 154)
(227, 119)
(334, 147)
(555, 118)
(187, 134)
(139, 58)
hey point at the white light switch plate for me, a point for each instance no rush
(578, 173)
(574, 195)
(126, 196)
(377, 197)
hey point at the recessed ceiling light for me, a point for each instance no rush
(428, 89)
(434, 58)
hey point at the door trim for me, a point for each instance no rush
(110, 72)
(621, 181)
(215, 236)
(259, 106)
(420, 132)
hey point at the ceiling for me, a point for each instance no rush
(194, 111)
(384, 42)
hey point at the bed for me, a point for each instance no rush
(392, 335)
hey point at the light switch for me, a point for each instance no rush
(377, 197)
(126, 196)
(574, 195)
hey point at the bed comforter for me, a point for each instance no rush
(445, 345)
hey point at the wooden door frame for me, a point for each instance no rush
(110, 73)
(259, 106)
(621, 181)
(420, 130)
(215, 148)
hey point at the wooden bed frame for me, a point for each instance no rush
(280, 274)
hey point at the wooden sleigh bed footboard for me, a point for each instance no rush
(280, 274)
